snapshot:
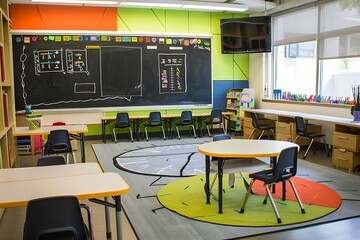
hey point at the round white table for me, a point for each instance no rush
(238, 148)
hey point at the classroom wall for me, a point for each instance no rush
(229, 70)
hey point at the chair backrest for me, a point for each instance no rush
(59, 141)
(255, 120)
(155, 119)
(300, 126)
(186, 118)
(122, 120)
(286, 164)
(54, 218)
(216, 116)
(50, 160)
(220, 137)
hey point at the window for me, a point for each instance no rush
(295, 68)
(295, 52)
(316, 50)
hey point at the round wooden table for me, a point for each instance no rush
(238, 148)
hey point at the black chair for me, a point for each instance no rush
(59, 142)
(50, 160)
(122, 121)
(301, 131)
(154, 120)
(56, 218)
(186, 119)
(215, 118)
(283, 170)
(261, 127)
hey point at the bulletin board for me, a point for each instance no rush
(93, 70)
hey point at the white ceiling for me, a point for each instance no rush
(253, 5)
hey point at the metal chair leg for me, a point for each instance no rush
(297, 196)
(131, 135)
(247, 196)
(252, 132)
(307, 150)
(194, 130)
(114, 134)
(178, 133)
(272, 203)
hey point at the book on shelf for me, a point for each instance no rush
(6, 109)
(2, 64)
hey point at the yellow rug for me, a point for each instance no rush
(187, 198)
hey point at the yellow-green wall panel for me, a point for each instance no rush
(177, 21)
(199, 22)
(141, 20)
(241, 66)
(222, 63)
(215, 21)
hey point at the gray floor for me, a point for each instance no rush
(12, 222)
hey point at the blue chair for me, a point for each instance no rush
(283, 170)
(154, 120)
(59, 142)
(261, 127)
(122, 121)
(186, 119)
(50, 160)
(57, 218)
(302, 132)
(215, 119)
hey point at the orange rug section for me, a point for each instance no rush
(310, 192)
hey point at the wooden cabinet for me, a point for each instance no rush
(7, 109)
(237, 100)
(346, 147)
(285, 130)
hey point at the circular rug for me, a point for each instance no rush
(187, 198)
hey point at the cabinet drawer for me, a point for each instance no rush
(345, 159)
(346, 141)
(248, 122)
(282, 127)
(283, 137)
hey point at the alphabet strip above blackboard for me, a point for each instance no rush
(72, 71)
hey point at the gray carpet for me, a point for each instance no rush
(151, 221)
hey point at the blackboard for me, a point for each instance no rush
(72, 71)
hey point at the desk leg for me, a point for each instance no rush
(82, 146)
(118, 217)
(137, 129)
(107, 220)
(207, 176)
(199, 122)
(103, 124)
(220, 188)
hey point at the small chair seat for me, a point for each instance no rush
(50, 160)
(55, 218)
(261, 127)
(186, 119)
(283, 170)
(301, 131)
(215, 119)
(122, 121)
(58, 143)
(154, 120)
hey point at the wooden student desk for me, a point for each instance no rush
(199, 117)
(76, 131)
(335, 120)
(84, 180)
(237, 148)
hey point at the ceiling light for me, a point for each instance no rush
(216, 7)
(151, 4)
(99, 2)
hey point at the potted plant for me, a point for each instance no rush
(355, 110)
